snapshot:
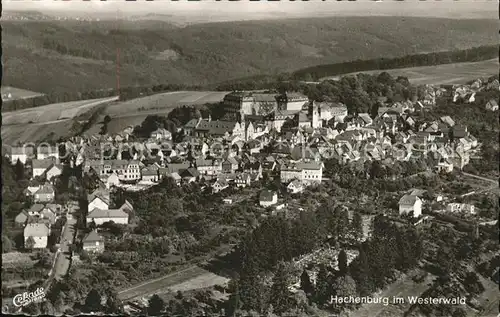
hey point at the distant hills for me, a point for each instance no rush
(64, 56)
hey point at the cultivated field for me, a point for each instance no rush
(188, 279)
(17, 93)
(34, 124)
(133, 112)
(457, 73)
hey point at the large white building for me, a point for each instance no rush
(307, 173)
(249, 103)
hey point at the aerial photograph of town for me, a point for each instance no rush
(250, 158)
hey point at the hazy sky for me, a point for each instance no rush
(444, 8)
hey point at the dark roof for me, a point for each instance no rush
(266, 195)
(93, 236)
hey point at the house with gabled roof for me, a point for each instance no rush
(189, 174)
(492, 105)
(150, 173)
(21, 219)
(127, 206)
(444, 165)
(93, 242)
(53, 171)
(100, 216)
(110, 180)
(268, 198)
(38, 232)
(295, 187)
(410, 204)
(49, 215)
(40, 166)
(45, 194)
(448, 121)
(219, 185)
(98, 201)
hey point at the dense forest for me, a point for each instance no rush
(85, 56)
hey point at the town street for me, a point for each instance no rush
(62, 262)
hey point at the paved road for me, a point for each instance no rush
(62, 263)
(494, 181)
(159, 283)
(191, 274)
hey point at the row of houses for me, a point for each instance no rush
(99, 213)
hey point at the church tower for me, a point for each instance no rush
(316, 119)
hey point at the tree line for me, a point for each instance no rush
(316, 72)
(125, 93)
(276, 241)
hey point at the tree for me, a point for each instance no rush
(345, 286)
(113, 304)
(155, 305)
(6, 244)
(47, 308)
(250, 286)
(280, 296)
(306, 284)
(234, 303)
(342, 217)
(93, 301)
(107, 119)
(357, 226)
(30, 243)
(472, 283)
(342, 262)
(322, 286)
(360, 270)
(19, 170)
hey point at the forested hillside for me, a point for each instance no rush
(59, 56)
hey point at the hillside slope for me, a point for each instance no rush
(59, 56)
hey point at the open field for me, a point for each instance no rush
(52, 112)
(133, 112)
(17, 93)
(190, 278)
(457, 73)
(34, 124)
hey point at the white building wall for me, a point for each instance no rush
(40, 242)
(21, 157)
(38, 172)
(97, 203)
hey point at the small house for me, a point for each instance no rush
(100, 216)
(21, 219)
(36, 235)
(93, 242)
(410, 204)
(295, 187)
(45, 194)
(268, 198)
